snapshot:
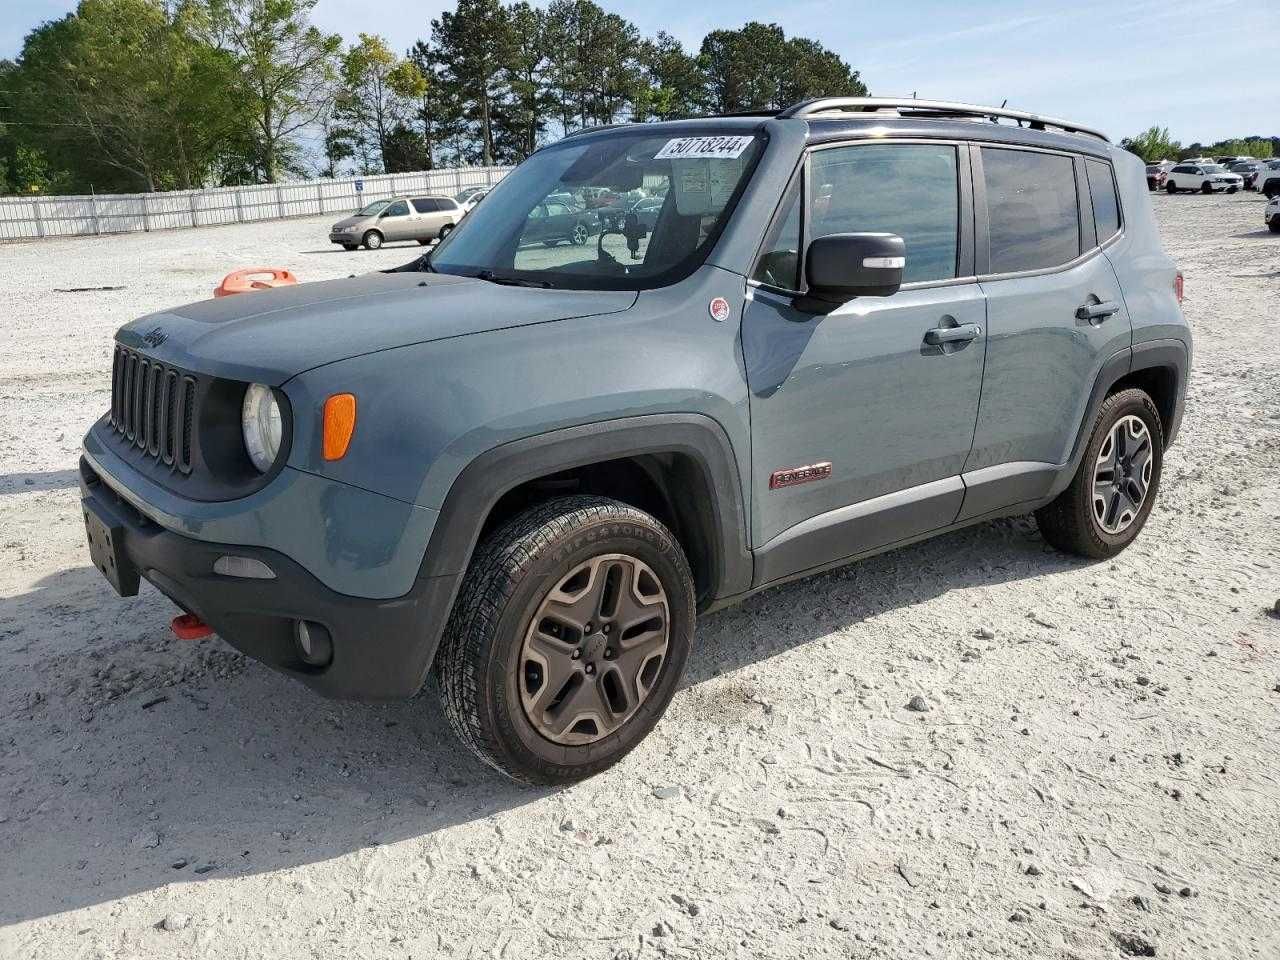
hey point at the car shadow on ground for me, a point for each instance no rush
(235, 770)
(37, 481)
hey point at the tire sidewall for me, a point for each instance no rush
(629, 535)
(1130, 403)
(373, 240)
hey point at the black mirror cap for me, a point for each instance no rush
(841, 266)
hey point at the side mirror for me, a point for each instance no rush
(842, 266)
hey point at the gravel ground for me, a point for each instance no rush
(1095, 774)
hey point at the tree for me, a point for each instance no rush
(758, 68)
(1153, 145)
(379, 88)
(286, 67)
(473, 44)
(526, 78)
(123, 94)
(676, 85)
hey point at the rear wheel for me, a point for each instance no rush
(567, 640)
(1274, 225)
(446, 230)
(580, 234)
(1171, 187)
(1112, 493)
(372, 240)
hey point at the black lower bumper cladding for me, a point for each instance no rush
(381, 648)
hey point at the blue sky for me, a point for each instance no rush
(1204, 68)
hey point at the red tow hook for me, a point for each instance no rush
(190, 627)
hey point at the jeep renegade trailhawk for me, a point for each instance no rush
(791, 341)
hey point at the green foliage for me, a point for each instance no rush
(128, 95)
(758, 68)
(1153, 145)
(287, 71)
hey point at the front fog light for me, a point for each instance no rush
(315, 646)
(245, 568)
(262, 424)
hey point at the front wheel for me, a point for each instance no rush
(372, 240)
(567, 640)
(349, 247)
(1206, 187)
(580, 234)
(1111, 495)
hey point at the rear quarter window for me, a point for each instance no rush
(1106, 202)
(1032, 209)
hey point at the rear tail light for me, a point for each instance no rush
(1177, 286)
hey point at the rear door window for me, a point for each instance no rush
(426, 204)
(1032, 209)
(912, 190)
(1106, 203)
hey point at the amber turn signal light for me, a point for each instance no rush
(339, 424)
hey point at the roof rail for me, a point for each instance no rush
(824, 107)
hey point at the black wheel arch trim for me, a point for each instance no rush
(487, 477)
(1172, 355)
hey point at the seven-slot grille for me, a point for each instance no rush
(153, 408)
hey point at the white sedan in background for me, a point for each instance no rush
(1205, 177)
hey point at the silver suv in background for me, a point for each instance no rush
(401, 218)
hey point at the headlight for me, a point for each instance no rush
(260, 418)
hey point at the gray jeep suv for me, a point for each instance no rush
(853, 324)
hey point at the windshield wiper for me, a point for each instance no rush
(490, 277)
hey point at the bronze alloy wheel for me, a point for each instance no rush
(1122, 474)
(594, 649)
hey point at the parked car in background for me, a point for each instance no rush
(1247, 169)
(551, 223)
(1272, 214)
(464, 196)
(1205, 177)
(401, 218)
(647, 210)
(1156, 174)
(1227, 161)
(1268, 179)
(472, 199)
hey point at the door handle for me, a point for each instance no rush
(1097, 311)
(961, 334)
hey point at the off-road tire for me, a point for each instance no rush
(372, 240)
(1068, 522)
(508, 579)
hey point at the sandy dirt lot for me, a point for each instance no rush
(1097, 775)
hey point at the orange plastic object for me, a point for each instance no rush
(339, 424)
(241, 281)
(190, 627)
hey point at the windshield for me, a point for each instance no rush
(567, 217)
(373, 209)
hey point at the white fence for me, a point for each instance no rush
(23, 218)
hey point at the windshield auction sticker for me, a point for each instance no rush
(709, 148)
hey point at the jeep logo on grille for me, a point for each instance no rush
(790, 476)
(154, 337)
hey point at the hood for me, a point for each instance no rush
(352, 221)
(269, 336)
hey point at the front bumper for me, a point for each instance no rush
(382, 649)
(344, 238)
